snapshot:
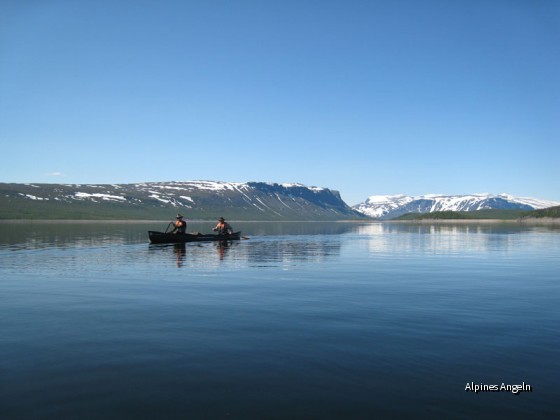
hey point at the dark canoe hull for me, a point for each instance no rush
(172, 238)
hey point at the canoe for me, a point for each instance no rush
(179, 238)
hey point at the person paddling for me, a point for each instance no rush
(223, 227)
(179, 225)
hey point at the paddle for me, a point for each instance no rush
(167, 228)
(245, 237)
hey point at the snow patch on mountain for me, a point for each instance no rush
(102, 196)
(379, 205)
(533, 202)
(389, 206)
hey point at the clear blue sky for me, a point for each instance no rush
(365, 97)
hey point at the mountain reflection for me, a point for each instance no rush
(19, 236)
(308, 248)
(453, 238)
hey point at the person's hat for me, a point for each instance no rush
(179, 216)
(221, 219)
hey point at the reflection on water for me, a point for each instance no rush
(452, 228)
(269, 244)
(297, 228)
(193, 252)
(311, 249)
(180, 252)
(259, 251)
(20, 236)
(126, 244)
(448, 238)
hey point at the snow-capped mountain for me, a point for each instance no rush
(390, 206)
(194, 199)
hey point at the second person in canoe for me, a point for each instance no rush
(223, 227)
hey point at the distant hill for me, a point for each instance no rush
(204, 200)
(473, 215)
(389, 207)
(553, 212)
(550, 212)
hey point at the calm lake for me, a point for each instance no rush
(302, 320)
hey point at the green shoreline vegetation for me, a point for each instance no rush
(117, 211)
(553, 212)
(512, 215)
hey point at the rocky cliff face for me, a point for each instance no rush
(157, 200)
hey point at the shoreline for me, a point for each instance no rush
(130, 221)
(524, 221)
(527, 221)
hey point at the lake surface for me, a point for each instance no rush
(302, 320)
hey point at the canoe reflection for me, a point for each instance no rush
(222, 247)
(180, 252)
(195, 251)
(267, 251)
